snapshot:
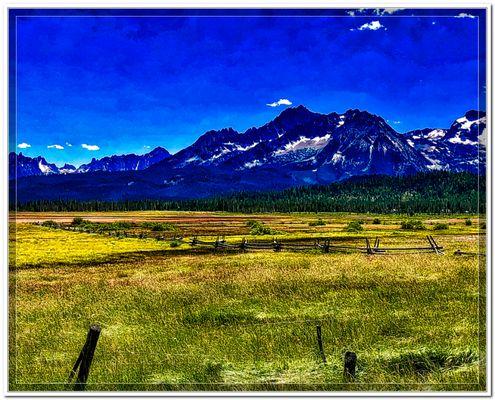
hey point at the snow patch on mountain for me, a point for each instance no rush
(246, 148)
(303, 143)
(465, 123)
(436, 134)
(252, 164)
(458, 140)
(45, 169)
(337, 157)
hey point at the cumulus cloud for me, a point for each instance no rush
(389, 11)
(147, 147)
(371, 26)
(68, 144)
(373, 11)
(90, 147)
(281, 102)
(55, 146)
(23, 145)
(464, 15)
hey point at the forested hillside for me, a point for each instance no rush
(435, 192)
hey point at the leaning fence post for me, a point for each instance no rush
(350, 359)
(320, 343)
(431, 244)
(368, 247)
(85, 358)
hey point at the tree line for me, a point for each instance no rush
(432, 192)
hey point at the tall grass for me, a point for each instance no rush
(175, 320)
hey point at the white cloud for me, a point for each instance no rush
(68, 144)
(383, 11)
(373, 11)
(90, 147)
(371, 26)
(55, 146)
(23, 145)
(281, 102)
(464, 15)
(147, 147)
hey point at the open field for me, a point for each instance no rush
(182, 318)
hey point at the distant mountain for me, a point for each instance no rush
(27, 166)
(21, 166)
(462, 147)
(67, 169)
(299, 147)
(126, 162)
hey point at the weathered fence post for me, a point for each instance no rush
(437, 247)
(429, 238)
(350, 359)
(320, 343)
(368, 247)
(85, 358)
(243, 244)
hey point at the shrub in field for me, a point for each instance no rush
(175, 243)
(483, 225)
(50, 224)
(377, 221)
(99, 227)
(413, 225)
(78, 221)
(469, 222)
(259, 228)
(440, 227)
(119, 225)
(354, 226)
(318, 222)
(159, 226)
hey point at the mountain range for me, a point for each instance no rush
(299, 147)
(21, 166)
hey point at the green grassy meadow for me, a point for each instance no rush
(175, 317)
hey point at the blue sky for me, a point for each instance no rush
(123, 84)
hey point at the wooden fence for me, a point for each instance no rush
(324, 245)
(85, 359)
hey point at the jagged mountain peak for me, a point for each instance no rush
(159, 150)
(295, 115)
(473, 115)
